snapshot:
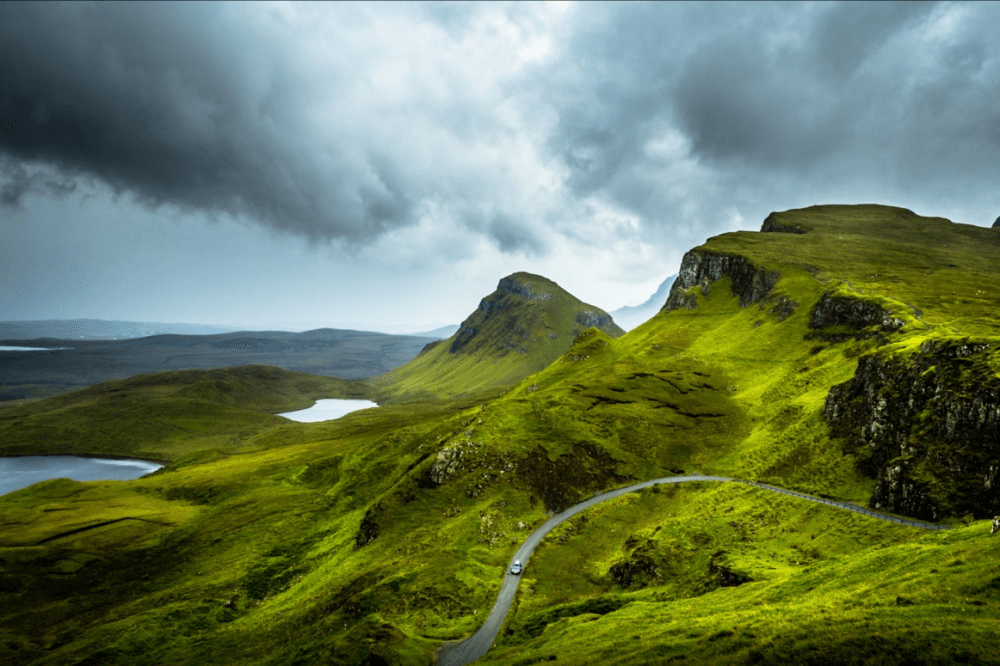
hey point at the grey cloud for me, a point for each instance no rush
(847, 99)
(512, 236)
(177, 104)
(16, 181)
(845, 35)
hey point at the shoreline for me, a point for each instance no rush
(108, 456)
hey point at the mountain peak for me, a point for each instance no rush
(529, 286)
(528, 322)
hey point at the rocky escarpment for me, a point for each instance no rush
(558, 483)
(861, 318)
(926, 426)
(772, 225)
(512, 285)
(750, 283)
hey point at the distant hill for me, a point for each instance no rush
(99, 329)
(324, 351)
(439, 333)
(631, 316)
(520, 328)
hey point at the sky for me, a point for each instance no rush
(382, 166)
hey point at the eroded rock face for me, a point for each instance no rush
(926, 426)
(853, 313)
(597, 318)
(772, 225)
(511, 285)
(368, 531)
(638, 571)
(559, 483)
(700, 268)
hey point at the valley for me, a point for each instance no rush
(848, 353)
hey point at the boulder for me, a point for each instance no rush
(996, 525)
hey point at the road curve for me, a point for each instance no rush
(478, 644)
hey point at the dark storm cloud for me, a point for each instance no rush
(348, 121)
(511, 235)
(180, 103)
(848, 34)
(894, 98)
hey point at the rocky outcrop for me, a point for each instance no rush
(750, 283)
(512, 285)
(558, 483)
(771, 224)
(369, 529)
(855, 314)
(926, 426)
(595, 318)
(638, 571)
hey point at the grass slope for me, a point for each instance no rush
(168, 415)
(374, 538)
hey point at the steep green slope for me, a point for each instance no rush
(374, 538)
(518, 329)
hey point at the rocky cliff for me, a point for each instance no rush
(699, 267)
(926, 426)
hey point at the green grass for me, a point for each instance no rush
(168, 415)
(248, 548)
(821, 586)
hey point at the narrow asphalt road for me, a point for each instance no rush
(474, 647)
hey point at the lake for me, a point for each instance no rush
(6, 348)
(327, 410)
(18, 472)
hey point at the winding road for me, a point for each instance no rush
(474, 647)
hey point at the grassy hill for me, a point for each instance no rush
(846, 351)
(520, 328)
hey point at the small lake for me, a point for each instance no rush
(21, 471)
(327, 410)
(6, 348)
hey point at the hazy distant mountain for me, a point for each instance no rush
(439, 333)
(325, 351)
(631, 316)
(99, 329)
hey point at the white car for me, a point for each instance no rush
(516, 568)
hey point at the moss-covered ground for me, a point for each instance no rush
(380, 535)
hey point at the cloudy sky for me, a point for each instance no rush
(384, 165)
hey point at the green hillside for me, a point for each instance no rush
(845, 351)
(519, 329)
(166, 416)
